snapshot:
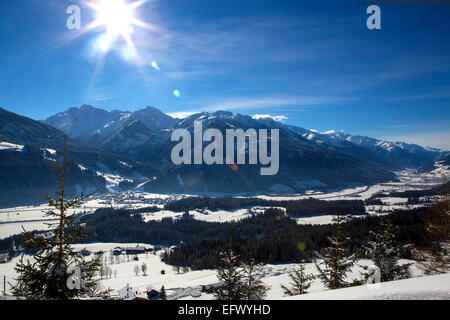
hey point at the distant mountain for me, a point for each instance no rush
(104, 129)
(308, 159)
(303, 164)
(387, 154)
(92, 125)
(439, 166)
(135, 141)
(26, 147)
(85, 121)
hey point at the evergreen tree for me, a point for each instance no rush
(385, 252)
(162, 294)
(230, 276)
(254, 287)
(336, 263)
(300, 281)
(58, 272)
(435, 260)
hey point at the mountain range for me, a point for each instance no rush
(118, 150)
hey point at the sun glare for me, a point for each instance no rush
(116, 15)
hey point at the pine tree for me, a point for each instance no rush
(336, 263)
(230, 276)
(385, 252)
(254, 287)
(300, 281)
(162, 294)
(435, 260)
(58, 272)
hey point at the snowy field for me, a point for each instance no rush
(188, 285)
(33, 218)
(322, 219)
(408, 180)
(207, 215)
(435, 287)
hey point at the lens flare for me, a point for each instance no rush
(155, 65)
(176, 93)
(301, 246)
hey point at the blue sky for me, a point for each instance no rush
(311, 63)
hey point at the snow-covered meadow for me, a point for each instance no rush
(188, 285)
(32, 217)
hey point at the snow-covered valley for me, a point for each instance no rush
(33, 217)
(188, 284)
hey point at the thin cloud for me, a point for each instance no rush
(273, 102)
(435, 139)
(181, 114)
(265, 116)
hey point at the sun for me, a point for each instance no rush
(116, 16)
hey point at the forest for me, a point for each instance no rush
(294, 208)
(273, 236)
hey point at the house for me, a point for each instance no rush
(4, 257)
(117, 252)
(85, 252)
(152, 294)
(126, 293)
(157, 247)
(209, 288)
(135, 250)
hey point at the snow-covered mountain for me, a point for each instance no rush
(100, 128)
(137, 145)
(93, 126)
(136, 141)
(86, 120)
(303, 163)
(26, 147)
(388, 154)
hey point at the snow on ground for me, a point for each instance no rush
(435, 287)
(188, 285)
(408, 180)
(112, 180)
(9, 229)
(8, 146)
(382, 209)
(33, 217)
(322, 219)
(207, 215)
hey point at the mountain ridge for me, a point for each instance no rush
(135, 149)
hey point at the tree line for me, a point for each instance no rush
(303, 207)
